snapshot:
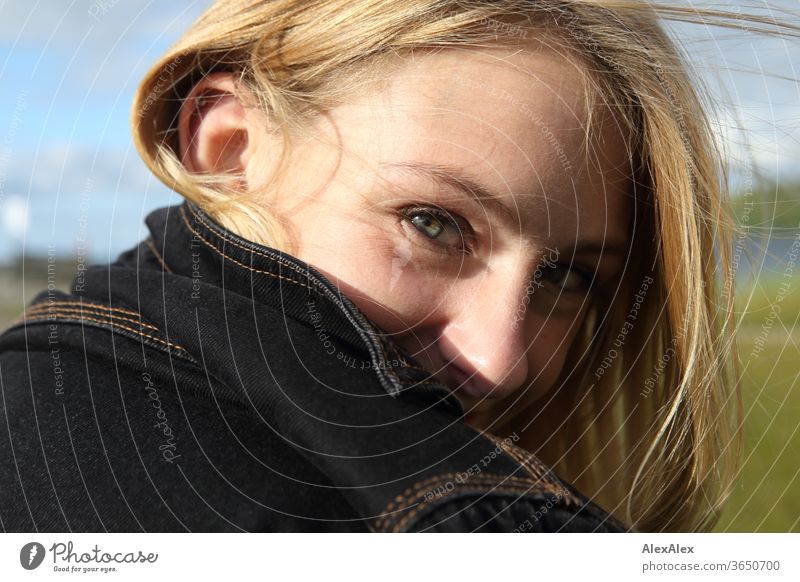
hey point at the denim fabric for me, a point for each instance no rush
(205, 383)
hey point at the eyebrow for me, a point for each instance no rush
(456, 179)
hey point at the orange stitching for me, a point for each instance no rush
(112, 324)
(528, 460)
(412, 492)
(218, 251)
(33, 311)
(535, 467)
(532, 463)
(514, 453)
(407, 497)
(422, 504)
(151, 245)
(546, 479)
(86, 303)
(517, 485)
(235, 243)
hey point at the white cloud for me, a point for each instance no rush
(59, 169)
(756, 143)
(15, 216)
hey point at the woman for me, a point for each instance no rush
(425, 245)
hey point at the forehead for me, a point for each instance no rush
(516, 119)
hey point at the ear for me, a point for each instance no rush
(216, 133)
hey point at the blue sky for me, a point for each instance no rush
(67, 84)
(68, 81)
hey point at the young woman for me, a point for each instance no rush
(433, 254)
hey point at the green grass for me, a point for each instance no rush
(773, 302)
(767, 495)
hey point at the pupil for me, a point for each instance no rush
(428, 224)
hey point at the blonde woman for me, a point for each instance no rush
(443, 266)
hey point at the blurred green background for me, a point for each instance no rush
(767, 496)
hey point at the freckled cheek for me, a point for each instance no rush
(387, 278)
(352, 250)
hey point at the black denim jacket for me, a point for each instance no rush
(205, 383)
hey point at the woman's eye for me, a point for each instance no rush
(428, 224)
(439, 226)
(569, 279)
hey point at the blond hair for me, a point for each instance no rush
(652, 433)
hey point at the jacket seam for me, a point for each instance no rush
(34, 312)
(412, 492)
(405, 499)
(84, 304)
(253, 269)
(406, 519)
(262, 254)
(104, 317)
(526, 459)
(69, 319)
(487, 484)
(535, 467)
(211, 228)
(159, 257)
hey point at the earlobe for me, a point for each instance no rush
(213, 128)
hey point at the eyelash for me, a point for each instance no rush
(587, 276)
(447, 219)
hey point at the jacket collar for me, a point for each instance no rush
(191, 244)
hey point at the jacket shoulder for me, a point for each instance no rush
(55, 317)
(105, 431)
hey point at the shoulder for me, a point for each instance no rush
(110, 424)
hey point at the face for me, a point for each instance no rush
(453, 202)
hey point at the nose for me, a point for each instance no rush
(483, 344)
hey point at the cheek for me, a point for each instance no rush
(378, 271)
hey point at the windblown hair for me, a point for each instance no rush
(647, 410)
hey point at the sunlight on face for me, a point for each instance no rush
(455, 205)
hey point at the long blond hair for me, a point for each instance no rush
(651, 430)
